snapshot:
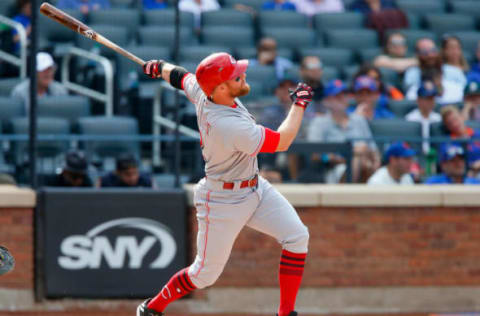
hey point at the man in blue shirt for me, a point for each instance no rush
(452, 161)
(84, 6)
(367, 93)
(126, 174)
(280, 5)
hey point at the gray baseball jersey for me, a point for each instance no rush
(230, 137)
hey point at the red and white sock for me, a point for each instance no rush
(178, 286)
(290, 277)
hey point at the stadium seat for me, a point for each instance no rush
(7, 85)
(69, 107)
(402, 107)
(469, 39)
(117, 34)
(390, 76)
(367, 55)
(190, 66)
(438, 130)
(167, 18)
(232, 37)
(352, 39)
(469, 7)
(395, 130)
(265, 74)
(10, 108)
(117, 17)
(226, 18)
(335, 21)
(109, 126)
(196, 53)
(254, 4)
(421, 7)
(349, 72)
(167, 180)
(6, 7)
(291, 38)
(414, 21)
(50, 31)
(275, 18)
(443, 23)
(45, 126)
(123, 4)
(251, 52)
(257, 92)
(336, 57)
(164, 36)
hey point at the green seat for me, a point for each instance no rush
(226, 18)
(390, 76)
(197, 53)
(11, 108)
(265, 74)
(50, 32)
(396, 130)
(421, 7)
(6, 7)
(446, 23)
(117, 34)
(109, 126)
(166, 17)
(331, 56)
(257, 91)
(164, 36)
(469, 7)
(275, 18)
(351, 39)
(232, 37)
(349, 72)
(335, 21)
(414, 21)
(367, 55)
(129, 18)
(290, 38)
(69, 107)
(7, 85)
(469, 40)
(123, 4)
(402, 107)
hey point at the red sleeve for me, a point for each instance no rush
(270, 144)
(183, 79)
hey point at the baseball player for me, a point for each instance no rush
(232, 194)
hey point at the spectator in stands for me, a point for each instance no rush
(473, 158)
(312, 7)
(339, 126)
(368, 6)
(452, 53)
(455, 124)
(278, 5)
(367, 94)
(311, 72)
(471, 98)
(126, 174)
(449, 80)
(155, 4)
(73, 173)
(398, 160)
(84, 6)
(395, 54)
(476, 66)
(425, 113)
(452, 162)
(24, 15)
(197, 7)
(267, 56)
(46, 86)
(387, 91)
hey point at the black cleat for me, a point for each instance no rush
(143, 310)
(292, 313)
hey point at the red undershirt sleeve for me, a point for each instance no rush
(183, 79)
(272, 138)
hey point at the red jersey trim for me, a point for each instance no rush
(183, 79)
(272, 138)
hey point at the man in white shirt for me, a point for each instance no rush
(197, 7)
(424, 113)
(398, 159)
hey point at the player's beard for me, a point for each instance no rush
(243, 90)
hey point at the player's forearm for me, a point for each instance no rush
(289, 128)
(166, 71)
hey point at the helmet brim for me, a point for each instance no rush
(240, 68)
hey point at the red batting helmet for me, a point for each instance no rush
(218, 68)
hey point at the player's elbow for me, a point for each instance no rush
(284, 142)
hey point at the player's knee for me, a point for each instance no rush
(298, 243)
(206, 278)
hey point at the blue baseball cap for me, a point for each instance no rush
(365, 82)
(399, 149)
(449, 151)
(334, 87)
(427, 89)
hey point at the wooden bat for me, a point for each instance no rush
(77, 26)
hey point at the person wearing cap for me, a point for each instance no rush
(471, 98)
(267, 56)
(398, 160)
(452, 162)
(126, 174)
(367, 94)
(424, 113)
(395, 54)
(73, 173)
(46, 86)
(339, 126)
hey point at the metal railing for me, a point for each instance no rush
(106, 97)
(158, 121)
(21, 61)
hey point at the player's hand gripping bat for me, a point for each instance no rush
(77, 26)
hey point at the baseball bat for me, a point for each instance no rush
(77, 26)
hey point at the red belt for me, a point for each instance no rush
(244, 184)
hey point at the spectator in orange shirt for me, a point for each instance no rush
(455, 123)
